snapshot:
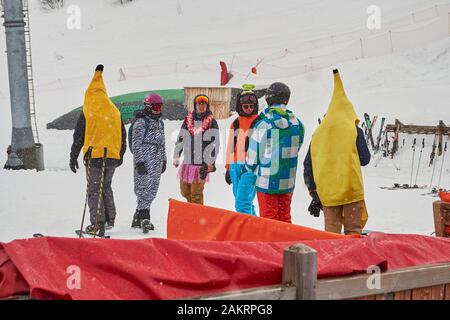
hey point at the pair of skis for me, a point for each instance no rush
(434, 192)
(80, 233)
(369, 125)
(398, 186)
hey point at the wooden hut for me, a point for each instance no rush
(222, 100)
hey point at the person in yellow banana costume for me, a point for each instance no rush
(332, 167)
(99, 128)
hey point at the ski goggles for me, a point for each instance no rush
(201, 100)
(157, 107)
(154, 107)
(248, 99)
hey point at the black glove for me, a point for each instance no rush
(73, 164)
(228, 177)
(164, 167)
(315, 206)
(141, 169)
(100, 67)
(204, 171)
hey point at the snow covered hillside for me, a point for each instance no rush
(171, 44)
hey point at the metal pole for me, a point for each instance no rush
(412, 165)
(420, 158)
(362, 48)
(21, 151)
(442, 165)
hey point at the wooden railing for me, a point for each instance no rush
(430, 282)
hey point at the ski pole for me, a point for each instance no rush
(442, 165)
(100, 194)
(432, 174)
(412, 165)
(420, 158)
(87, 188)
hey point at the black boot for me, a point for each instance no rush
(91, 229)
(146, 224)
(136, 223)
(109, 224)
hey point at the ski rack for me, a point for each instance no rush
(440, 130)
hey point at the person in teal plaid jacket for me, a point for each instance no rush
(273, 154)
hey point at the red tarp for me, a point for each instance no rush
(167, 269)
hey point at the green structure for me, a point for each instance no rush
(128, 104)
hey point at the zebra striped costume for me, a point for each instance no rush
(149, 149)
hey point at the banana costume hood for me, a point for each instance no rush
(335, 159)
(103, 121)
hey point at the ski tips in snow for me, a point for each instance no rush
(38, 235)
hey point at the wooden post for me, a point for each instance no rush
(438, 225)
(300, 270)
(392, 44)
(449, 24)
(362, 48)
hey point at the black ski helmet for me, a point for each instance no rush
(247, 96)
(277, 93)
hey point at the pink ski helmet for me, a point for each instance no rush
(153, 98)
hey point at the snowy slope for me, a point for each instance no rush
(171, 44)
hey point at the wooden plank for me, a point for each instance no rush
(438, 292)
(403, 295)
(364, 298)
(392, 281)
(447, 292)
(277, 292)
(429, 293)
(421, 294)
(385, 296)
(300, 270)
(438, 225)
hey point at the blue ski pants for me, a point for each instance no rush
(243, 188)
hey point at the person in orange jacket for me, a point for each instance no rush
(243, 182)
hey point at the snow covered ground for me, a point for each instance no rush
(170, 44)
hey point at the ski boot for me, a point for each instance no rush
(146, 224)
(109, 225)
(100, 230)
(136, 223)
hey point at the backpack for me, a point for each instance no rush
(130, 132)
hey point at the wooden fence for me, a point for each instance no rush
(431, 282)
